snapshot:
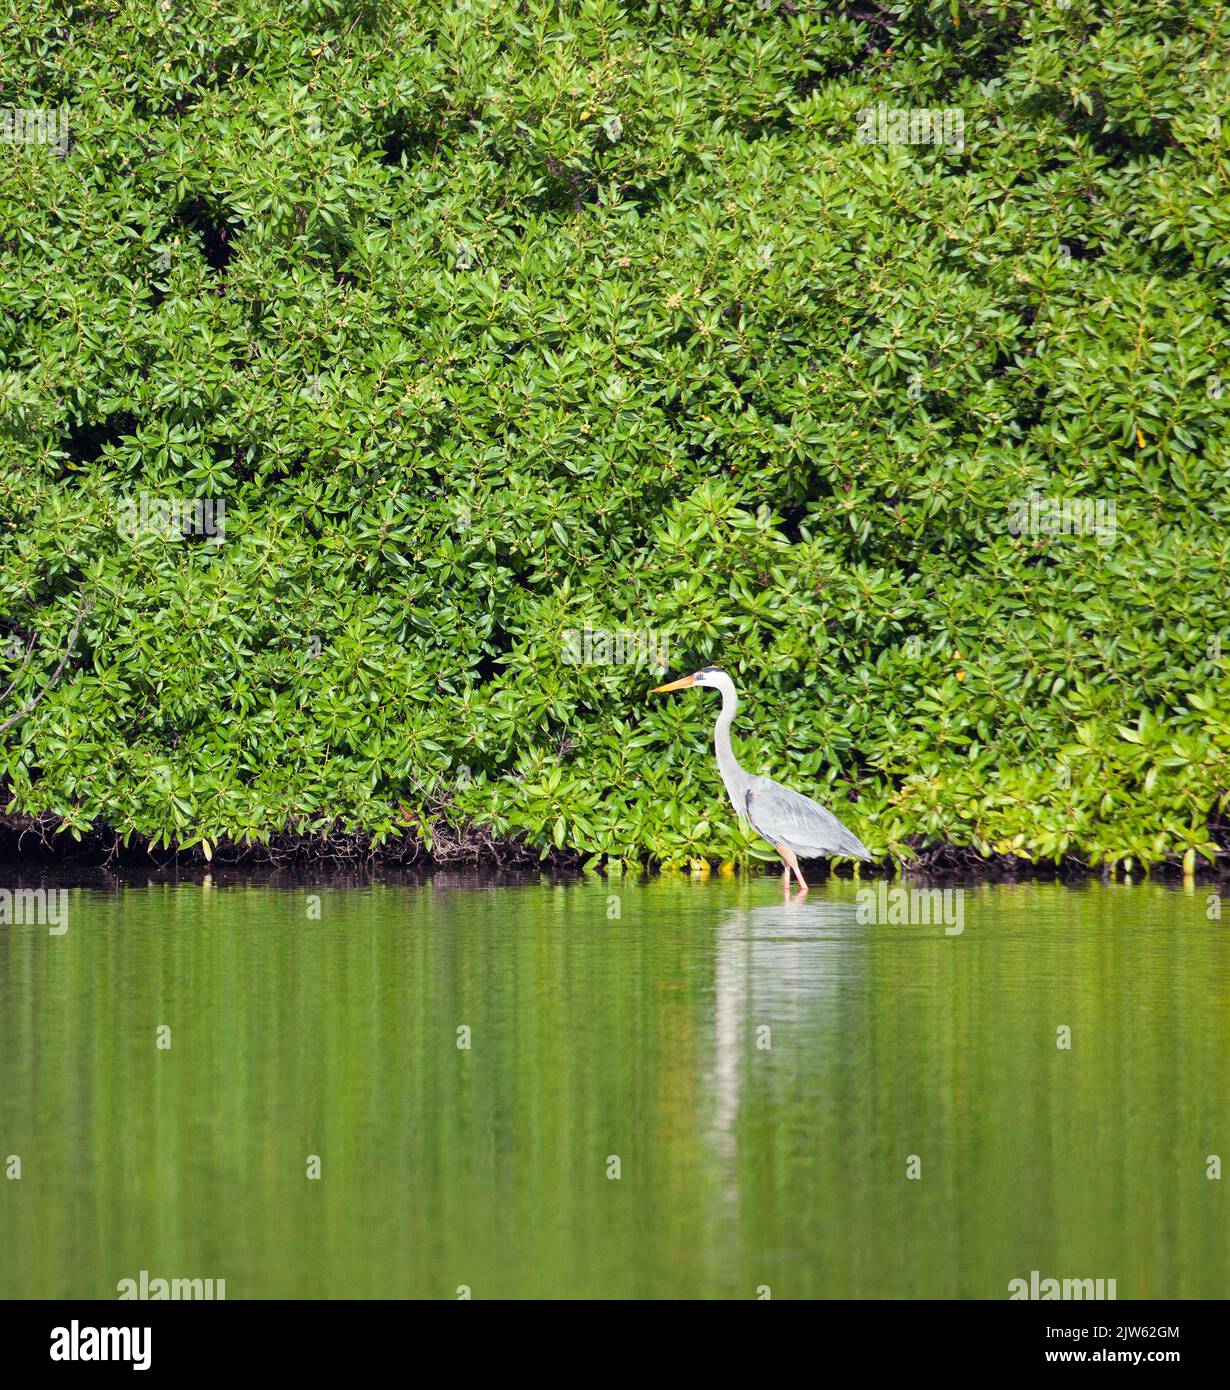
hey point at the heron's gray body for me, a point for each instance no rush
(786, 819)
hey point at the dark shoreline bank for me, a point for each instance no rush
(30, 844)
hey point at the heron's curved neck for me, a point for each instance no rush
(733, 776)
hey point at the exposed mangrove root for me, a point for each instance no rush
(471, 847)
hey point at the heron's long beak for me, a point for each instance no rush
(674, 685)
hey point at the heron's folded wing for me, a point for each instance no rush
(786, 817)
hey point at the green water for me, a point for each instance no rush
(614, 1019)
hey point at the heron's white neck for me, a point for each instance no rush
(733, 776)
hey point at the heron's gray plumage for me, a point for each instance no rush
(783, 817)
(789, 818)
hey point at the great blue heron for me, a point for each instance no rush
(795, 825)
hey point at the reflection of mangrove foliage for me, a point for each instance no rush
(764, 1072)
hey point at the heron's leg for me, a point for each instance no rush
(791, 861)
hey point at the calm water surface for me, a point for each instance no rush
(614, 1020)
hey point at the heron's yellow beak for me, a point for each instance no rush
(674, 685)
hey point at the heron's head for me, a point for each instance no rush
(707, 675)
